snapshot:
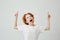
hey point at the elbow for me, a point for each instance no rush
(15, 27)
(48, 29)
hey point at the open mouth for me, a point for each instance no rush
(30, 20)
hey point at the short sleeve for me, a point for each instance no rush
(42, 28)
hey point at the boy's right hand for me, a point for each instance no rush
(16, 14)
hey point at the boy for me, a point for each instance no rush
(30, 30)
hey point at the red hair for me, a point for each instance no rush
(24, 17)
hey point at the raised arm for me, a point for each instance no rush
(15, 22)
(48, 22)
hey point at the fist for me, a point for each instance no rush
(16, 14)
(49, 15)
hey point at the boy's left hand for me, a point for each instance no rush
(49, 15)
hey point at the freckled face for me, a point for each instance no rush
(29, 19)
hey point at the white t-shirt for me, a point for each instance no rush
(31, 32)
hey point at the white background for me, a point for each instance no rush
(39, 8)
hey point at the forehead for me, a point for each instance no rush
(28, 15)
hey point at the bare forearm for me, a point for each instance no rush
(48, 22)
(15, 23)
(16, 18)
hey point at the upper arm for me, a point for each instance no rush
(20, 28)
(42, 29)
